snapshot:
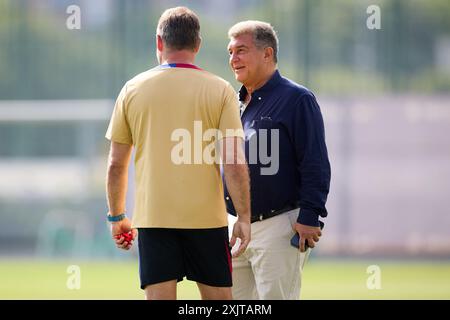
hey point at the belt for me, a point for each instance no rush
(273, 213)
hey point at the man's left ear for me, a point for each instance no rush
(197, 49)
(268, 53)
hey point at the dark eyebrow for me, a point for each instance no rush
(239, 47)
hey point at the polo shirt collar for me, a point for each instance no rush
(269, 85)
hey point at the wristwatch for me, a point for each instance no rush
(117, 218)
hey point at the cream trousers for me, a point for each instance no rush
(270, 268)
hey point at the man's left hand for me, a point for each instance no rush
(241, 230)
(307, 233)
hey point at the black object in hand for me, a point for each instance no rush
(295, 240)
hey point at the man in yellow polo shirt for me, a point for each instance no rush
(179, 118)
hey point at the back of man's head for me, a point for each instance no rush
(179, 29)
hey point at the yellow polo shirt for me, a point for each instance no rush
(166, 113)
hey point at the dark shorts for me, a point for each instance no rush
(201, 255)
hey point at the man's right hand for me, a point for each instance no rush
(241, 230)
(123, 226)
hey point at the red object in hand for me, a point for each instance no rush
(127, 235)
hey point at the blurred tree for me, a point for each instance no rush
(324, 44)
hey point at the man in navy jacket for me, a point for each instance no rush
(289, 167)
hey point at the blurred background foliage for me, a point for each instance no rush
(323, 44)
(385, 99)
(383, 93)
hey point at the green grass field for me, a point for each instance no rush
(323, 279)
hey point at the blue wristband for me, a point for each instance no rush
(117, 218)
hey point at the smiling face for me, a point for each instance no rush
(247, 61)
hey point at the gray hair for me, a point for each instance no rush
(263, 33)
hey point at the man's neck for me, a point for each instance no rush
(182, 56)
(259, 83)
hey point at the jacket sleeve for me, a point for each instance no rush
(312, 160)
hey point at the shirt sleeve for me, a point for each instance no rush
(230, 122)
(313, 163)
(119, 129)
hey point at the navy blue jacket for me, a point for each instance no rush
(303, 175)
